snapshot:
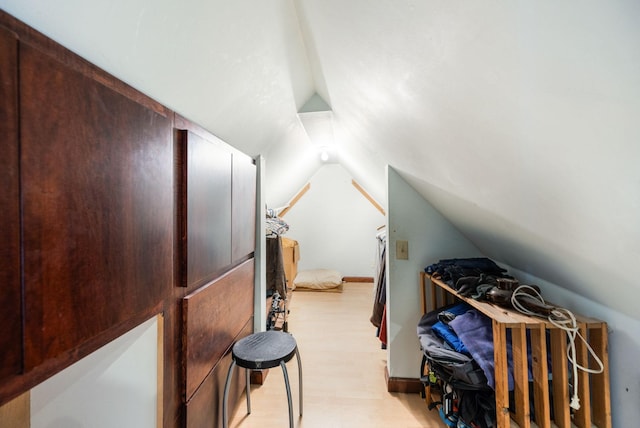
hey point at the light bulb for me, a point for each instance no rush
(324, 156)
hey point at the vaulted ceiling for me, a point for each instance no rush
(518, 120)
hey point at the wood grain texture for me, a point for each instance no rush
(11, 295)
(180, 157)
(540, 371)
(214, 315)
(97, 177)
(204, 409)
(522, 414)
(243, 219)
(582, 416)
(500, 373)
(560, 376)
(172, 368)
(207, 226)
(600, 393)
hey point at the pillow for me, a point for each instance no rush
(318, 279)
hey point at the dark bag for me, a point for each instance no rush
(466, 396)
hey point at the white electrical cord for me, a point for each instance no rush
(532, 294)
(565, 320)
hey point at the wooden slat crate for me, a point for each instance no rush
(549, 398)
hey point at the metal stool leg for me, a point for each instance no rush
(225, 397)
(286, 384)
(299, 378)
(248, 387)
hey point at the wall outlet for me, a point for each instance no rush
(402, 250)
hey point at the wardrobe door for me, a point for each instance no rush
(10, 296)
(244, 206)
(97, 183)
(206, 208)
(213, 316)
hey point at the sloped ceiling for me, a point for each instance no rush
(519, 120)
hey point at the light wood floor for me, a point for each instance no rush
(343, 371)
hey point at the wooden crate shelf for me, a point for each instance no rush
(594, 392)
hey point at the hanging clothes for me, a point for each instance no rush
(276, 279)
(382, 332)
(380, 298)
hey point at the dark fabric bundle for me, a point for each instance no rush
(276, 279)
(471, 277)
(450, 270)
(456, 367)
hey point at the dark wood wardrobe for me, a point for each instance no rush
(114, 209)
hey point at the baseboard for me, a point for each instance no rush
(357, 279)
(405, 385)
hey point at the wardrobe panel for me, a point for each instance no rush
(10, 297)
(204, 409)
(214, 315)
(206, 224)
(244, 206)
(97, 177)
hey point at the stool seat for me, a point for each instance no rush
(264, 350)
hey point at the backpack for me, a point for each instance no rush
(466, 401)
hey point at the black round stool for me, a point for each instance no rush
(263, 350)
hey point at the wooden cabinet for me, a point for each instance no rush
(549, 397)
(217, 216)
(11, 296)
(217, 193)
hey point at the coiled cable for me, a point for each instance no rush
(565, 320)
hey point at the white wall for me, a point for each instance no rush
(431, 238)
(335, 225)
(624, 346)
(116, 386)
